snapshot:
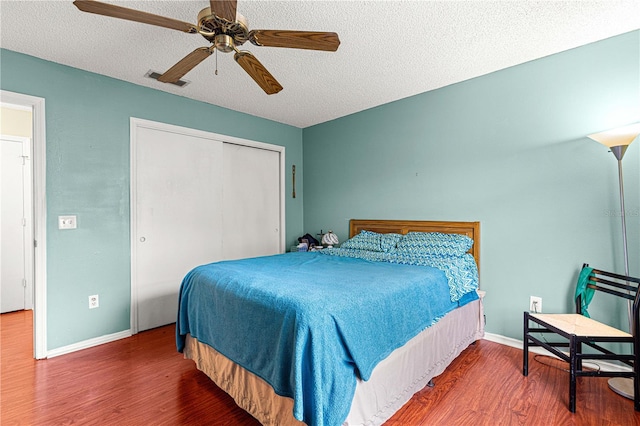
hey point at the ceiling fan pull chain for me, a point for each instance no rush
(216, 61)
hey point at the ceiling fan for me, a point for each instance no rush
(226, 29)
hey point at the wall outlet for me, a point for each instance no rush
(94, 301)
(67, 222)
(535, 304)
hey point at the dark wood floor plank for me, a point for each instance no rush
(142, 380)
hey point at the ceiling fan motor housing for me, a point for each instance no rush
(222, 33)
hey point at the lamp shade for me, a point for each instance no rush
(620, 136)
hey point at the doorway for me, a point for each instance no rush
(35, 241)
(16, 213)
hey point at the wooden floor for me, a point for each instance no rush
(142, 380)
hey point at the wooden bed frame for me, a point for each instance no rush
(258, 398)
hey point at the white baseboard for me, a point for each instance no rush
(89, 343)
(496, 338)
(507, 341)
(519, 344)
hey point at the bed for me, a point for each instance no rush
(292, 349)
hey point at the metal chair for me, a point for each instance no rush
(572, 331)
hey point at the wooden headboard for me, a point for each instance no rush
(470, 229)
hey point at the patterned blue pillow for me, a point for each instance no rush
(389, 242)
(365, 240)
(372, 241)
(434, 244)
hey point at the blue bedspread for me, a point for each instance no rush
(307, 323)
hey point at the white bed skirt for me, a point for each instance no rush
(393, 381)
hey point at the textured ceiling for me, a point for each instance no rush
(389, 49)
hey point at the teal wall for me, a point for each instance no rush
(87, 137)
(508, 149)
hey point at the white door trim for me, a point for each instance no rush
(38, 164)
(136, 123)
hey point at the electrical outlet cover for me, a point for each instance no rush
(535, 304)
(67, 222)
(94, 301)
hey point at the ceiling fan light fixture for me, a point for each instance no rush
(224, 43)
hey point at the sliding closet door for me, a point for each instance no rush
(176, 206)
(196, 200)
(251, 201)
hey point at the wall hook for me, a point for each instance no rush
(293, 175)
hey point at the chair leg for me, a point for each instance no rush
(579, 361)
(572, 374)
(636, 375)
(636, 394)
(525, 348)
(636, 364)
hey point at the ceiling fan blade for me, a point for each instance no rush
(224, 9)
(258, 72)
(186, 64)
(120, 12)
(312, 40)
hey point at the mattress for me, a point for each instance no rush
(309, 321)
(392, 383)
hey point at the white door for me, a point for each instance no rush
(16, 256)
(176, 216)
(251, 202)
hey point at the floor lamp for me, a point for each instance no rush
(618, 140)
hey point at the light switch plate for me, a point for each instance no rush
(67, 222)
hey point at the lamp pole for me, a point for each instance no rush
(618, 152)
(617, 140)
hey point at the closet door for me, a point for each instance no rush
(251, 201)
(176, 206)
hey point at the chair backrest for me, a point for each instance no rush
(618, 285)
